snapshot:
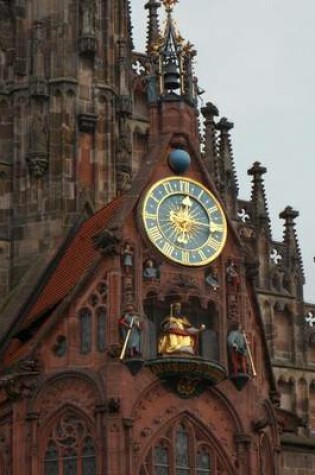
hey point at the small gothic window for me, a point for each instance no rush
(203, 462)
(101, 328)
(86, 330)
(88, 457)
(182, 452)
(51, 459)
(70, 462)
(161, 459)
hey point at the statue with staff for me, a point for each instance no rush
(130, 331)
(240, 355)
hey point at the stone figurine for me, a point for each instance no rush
(130, 331)
(237, 348)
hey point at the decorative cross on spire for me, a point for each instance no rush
(275, 256)
(243, 216)
(138, 68)
(310, 319)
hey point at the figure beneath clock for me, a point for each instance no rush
(178, 335)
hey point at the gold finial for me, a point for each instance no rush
(169, 4)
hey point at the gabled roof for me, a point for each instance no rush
(58, 278)
(76, 259)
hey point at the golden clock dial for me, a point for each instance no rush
(184, 221)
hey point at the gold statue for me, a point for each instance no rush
(178, 335)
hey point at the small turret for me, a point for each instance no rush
(292, 257)
(260, 210)
(209, 112)
(228, 180)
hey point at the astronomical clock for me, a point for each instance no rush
(184, 221)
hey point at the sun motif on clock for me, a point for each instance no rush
(184, 221)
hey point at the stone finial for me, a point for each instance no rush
(257, 171)
(224, 126)
(289, 215)
(209, 111)
(153, 29)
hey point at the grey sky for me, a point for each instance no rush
(256, 61)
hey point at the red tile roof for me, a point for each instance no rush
(75, 261)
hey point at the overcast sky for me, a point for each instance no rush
(256, 61)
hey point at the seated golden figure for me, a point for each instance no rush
(178, 335)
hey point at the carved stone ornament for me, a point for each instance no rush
(17, 386)
(187, 377)
(87, 45)
(38, 163)
(123, 179)
(108, 241)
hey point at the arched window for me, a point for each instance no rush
(70, 449)
(203, 461)
(183, 450)
(51, 459)
(101, 328)
(88, 457)
(92, 317)
(161, 459)
(86, 330)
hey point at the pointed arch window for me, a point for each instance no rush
(183, 449)
(203, 461)
(70, 449)
(86, 330)
(101, 328)
(88, 457)
(51, 459)
(161, 459)
(92, 319)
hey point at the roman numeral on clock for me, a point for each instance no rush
(154, 234)
(213, 243)
(168, 249)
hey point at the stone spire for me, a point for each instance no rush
(129, 24)
(153, 29)
(209, 112)
(260, 210)
(228, 179)
(293, 260)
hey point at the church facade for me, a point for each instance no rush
(150, 324)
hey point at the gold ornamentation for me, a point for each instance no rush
(169, 4)
(184, 221)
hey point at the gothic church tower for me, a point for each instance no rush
(65, 139)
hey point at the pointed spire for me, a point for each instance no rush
(129, 22)
(209, 112)
(228, 178)
(289, 237)
(153, 29)
(171, 57)
(260, 209)
(293, 259)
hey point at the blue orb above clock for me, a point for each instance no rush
(179, 160)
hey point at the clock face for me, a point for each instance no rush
(184, 221)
